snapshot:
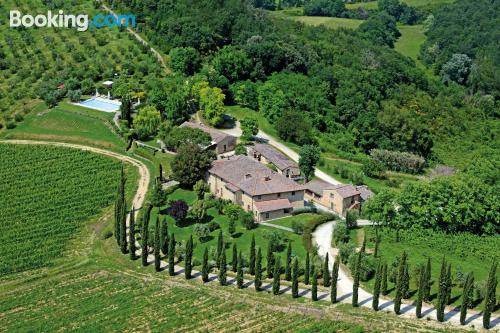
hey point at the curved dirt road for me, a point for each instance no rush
(144, 175)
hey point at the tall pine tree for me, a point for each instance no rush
(428, 281)
(326, 272)
(288, 265)
(466, 297)
(157, 245)
(400, 283)
(442, 292)
(234, 260)
(164, 237)
(204, 266)
(239, 274)
(307, 269)
(220, 247)
(258, 270)
(383, 286)
(335, 277)
(363, 245)
(421, 290)
(449, 283)
(131, 234)
(295, 278)
(357, 275)
(314, 284)
(276, 276)
(490, 300)
(405, 286)
(376, 287)
(252, 256)
(188, 261)
(171, 256)
(120, 208)
(222, 267)
(123, 230)
(270, 258)
(145, 236)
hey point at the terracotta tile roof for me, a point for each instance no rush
(365, 192)
(344, 190)
(272, 205)
(273, 155)
(252, 177)
(217, 136)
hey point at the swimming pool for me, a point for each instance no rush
(101, 104)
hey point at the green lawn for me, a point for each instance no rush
(69, 123)
(330, 22)
(300, 218)
(465, 252)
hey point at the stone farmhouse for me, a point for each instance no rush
(338, 198)
(267, 154)
(221, 141)
(256, 188)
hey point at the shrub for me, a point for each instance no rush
(340, 233)
(201, 231)
(345, 251)
(10, 125)
(366, 267)
(309, 209)
(212, 225)
(399, 161)
(18, 117)
(298, 227)
(351, 218)
(373, 168)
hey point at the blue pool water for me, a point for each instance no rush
(101, 105)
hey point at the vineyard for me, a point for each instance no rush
(47, 194)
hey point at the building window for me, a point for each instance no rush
(279, 195)
(259, 197)
(248, 207)
(267, 215)
(293, 192)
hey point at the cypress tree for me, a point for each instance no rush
(120, 208)
(466, 297)
(355, 285)
(314, 284)
(383, 286)
(490, 297)
(220, 248)
(252, 256)
(400, 283)
(421, 290)
(276, 276)
(335, 277)
(363, 245)
(131, 234)
(157, 245)
(189, 258)
(405, 286)
(234, 261)
(161, 172)
(442, 292)
(288, 266)
(171, 254)
(123, 230)
(164, 237)
(326, 273)
(307, 269)
(449, 283)
(258, 270)
(222, 268)
(428, 281)
(239, 275)
(295, 278)
(269, 257)
(145, 236)
(377, 244)
(204, 266)
(376, 287)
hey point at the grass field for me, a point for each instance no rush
(68, 123)
(329, 22)
(465, 252)
(47, 193)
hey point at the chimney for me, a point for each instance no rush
(267, 178)
(248, 176)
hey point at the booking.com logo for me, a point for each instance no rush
(61, 20)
